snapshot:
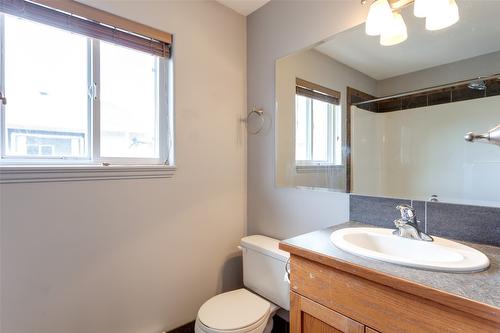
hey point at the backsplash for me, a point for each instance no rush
(475, 224)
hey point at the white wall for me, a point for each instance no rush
(140, 256)
(418, 152)
(275, 30)
(366, 151)
(316, 67)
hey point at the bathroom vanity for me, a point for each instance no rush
(334, 291)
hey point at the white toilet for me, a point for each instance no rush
(250, 310)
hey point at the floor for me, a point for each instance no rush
(280, 326)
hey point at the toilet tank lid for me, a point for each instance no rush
(265, 245)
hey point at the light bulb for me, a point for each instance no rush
(395, 31)
(379, 15)
(422, 8)
(443, 14)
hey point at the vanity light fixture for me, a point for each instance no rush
(396, 32)
(379, 15)
(384, 17)
(422, 8)
(443, 14)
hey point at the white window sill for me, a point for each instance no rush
(61, 173)
(305, 168)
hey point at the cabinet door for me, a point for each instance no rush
(307, 316)
(370, 330)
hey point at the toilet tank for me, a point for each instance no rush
(264, 269)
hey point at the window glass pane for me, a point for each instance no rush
(46, 86)
(129, 102)
(337, 152)
(320, 130)
(302, 115)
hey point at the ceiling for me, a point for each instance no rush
(244, 7)
(476, 33)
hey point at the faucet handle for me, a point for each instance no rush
(407, 225)
(407, 213)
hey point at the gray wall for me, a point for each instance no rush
(275, 30)
(483, 65)
(141, 256)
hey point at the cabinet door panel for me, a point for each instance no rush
(310, 317)
(311, 324)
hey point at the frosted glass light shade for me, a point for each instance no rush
(443, 14)
(379, 15)
(422, 8)
(395, 32)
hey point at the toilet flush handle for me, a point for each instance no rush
(287, 271)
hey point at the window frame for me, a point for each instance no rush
(16, 168)
(332, 130)
(95, 116)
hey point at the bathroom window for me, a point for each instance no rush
(317, 126)
(80, 92)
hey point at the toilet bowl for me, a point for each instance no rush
(250, 310)
(238, 311)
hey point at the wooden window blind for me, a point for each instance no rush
(315, 91)
(85, 20)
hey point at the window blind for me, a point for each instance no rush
(315, 91)
(82, 19)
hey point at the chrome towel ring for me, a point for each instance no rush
(259, 113)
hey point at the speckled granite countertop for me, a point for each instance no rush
(482, 287)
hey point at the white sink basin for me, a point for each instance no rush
(440, 255)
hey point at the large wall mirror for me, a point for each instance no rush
(356, 116)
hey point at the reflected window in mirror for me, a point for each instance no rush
(318, 126)
(311, 121)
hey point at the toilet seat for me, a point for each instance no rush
(258, 327)
(236, 311)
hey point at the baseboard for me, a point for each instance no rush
(186, 328)
(280, 326)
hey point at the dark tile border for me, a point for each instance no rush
(456, 93)
(374, 210)
(476, 224)
(421, 214)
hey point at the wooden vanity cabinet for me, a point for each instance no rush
(310, 317)
(329, 300)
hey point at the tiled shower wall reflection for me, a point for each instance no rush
(475, 224)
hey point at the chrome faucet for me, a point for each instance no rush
(407, 225)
